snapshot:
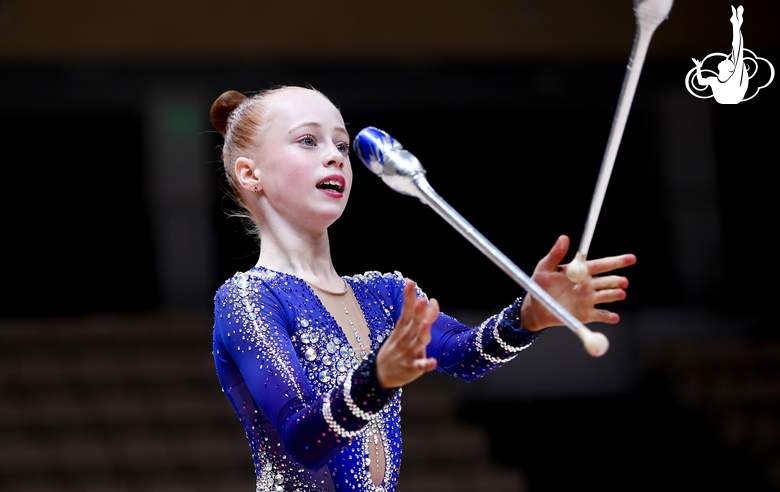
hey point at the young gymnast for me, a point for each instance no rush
(314, 363)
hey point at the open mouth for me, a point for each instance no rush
(331, 185)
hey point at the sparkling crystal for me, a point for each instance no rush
(328, 363)
(249, 308)
(310, 354)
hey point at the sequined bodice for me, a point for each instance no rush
(280, 355)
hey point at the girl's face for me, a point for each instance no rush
(303, 163)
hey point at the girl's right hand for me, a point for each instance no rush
(402, 358)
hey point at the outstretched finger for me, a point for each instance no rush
(433, 310)
(409, 308)
(426, 364)
(609, 282)
(416, 309)
(431, 313)
(420, 311)
(604, 316)
(603, 265)
(554, 258)
(609, 295)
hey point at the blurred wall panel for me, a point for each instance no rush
(179, 192)
(56, 30)
(76, 231)
(691, 181)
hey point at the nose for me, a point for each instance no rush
(334, 157)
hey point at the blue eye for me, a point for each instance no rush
(308, 140)
(343, 148)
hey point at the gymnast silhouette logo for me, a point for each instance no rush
(735, 71)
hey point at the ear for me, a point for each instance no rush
(247, 174)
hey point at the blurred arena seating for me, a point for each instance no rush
(734, 386)
(128, 403)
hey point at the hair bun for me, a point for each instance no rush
(222, 107)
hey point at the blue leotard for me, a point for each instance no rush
(283, 363)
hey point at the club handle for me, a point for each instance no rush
(438, 204)
(649, 15)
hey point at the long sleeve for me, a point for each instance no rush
(470, 352)
(258, 362)
(313, 413)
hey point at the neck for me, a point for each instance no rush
(304, 254)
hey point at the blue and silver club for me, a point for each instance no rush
(402, 172)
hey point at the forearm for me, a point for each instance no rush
(469, 353)
(313, 434)
(262, 375)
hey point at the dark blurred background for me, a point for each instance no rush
(116, 235)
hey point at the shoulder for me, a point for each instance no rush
(247, 296)
(243, 284)
(374, 279)
(384, 283)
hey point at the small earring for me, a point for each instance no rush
(255, 188)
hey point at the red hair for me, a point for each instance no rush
(242, 121)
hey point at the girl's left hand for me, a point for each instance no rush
(402, 358)
(578, 299)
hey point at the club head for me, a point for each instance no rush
(385, 156)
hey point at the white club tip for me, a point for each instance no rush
(596, 344)
(656, 10)
(577, 270)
